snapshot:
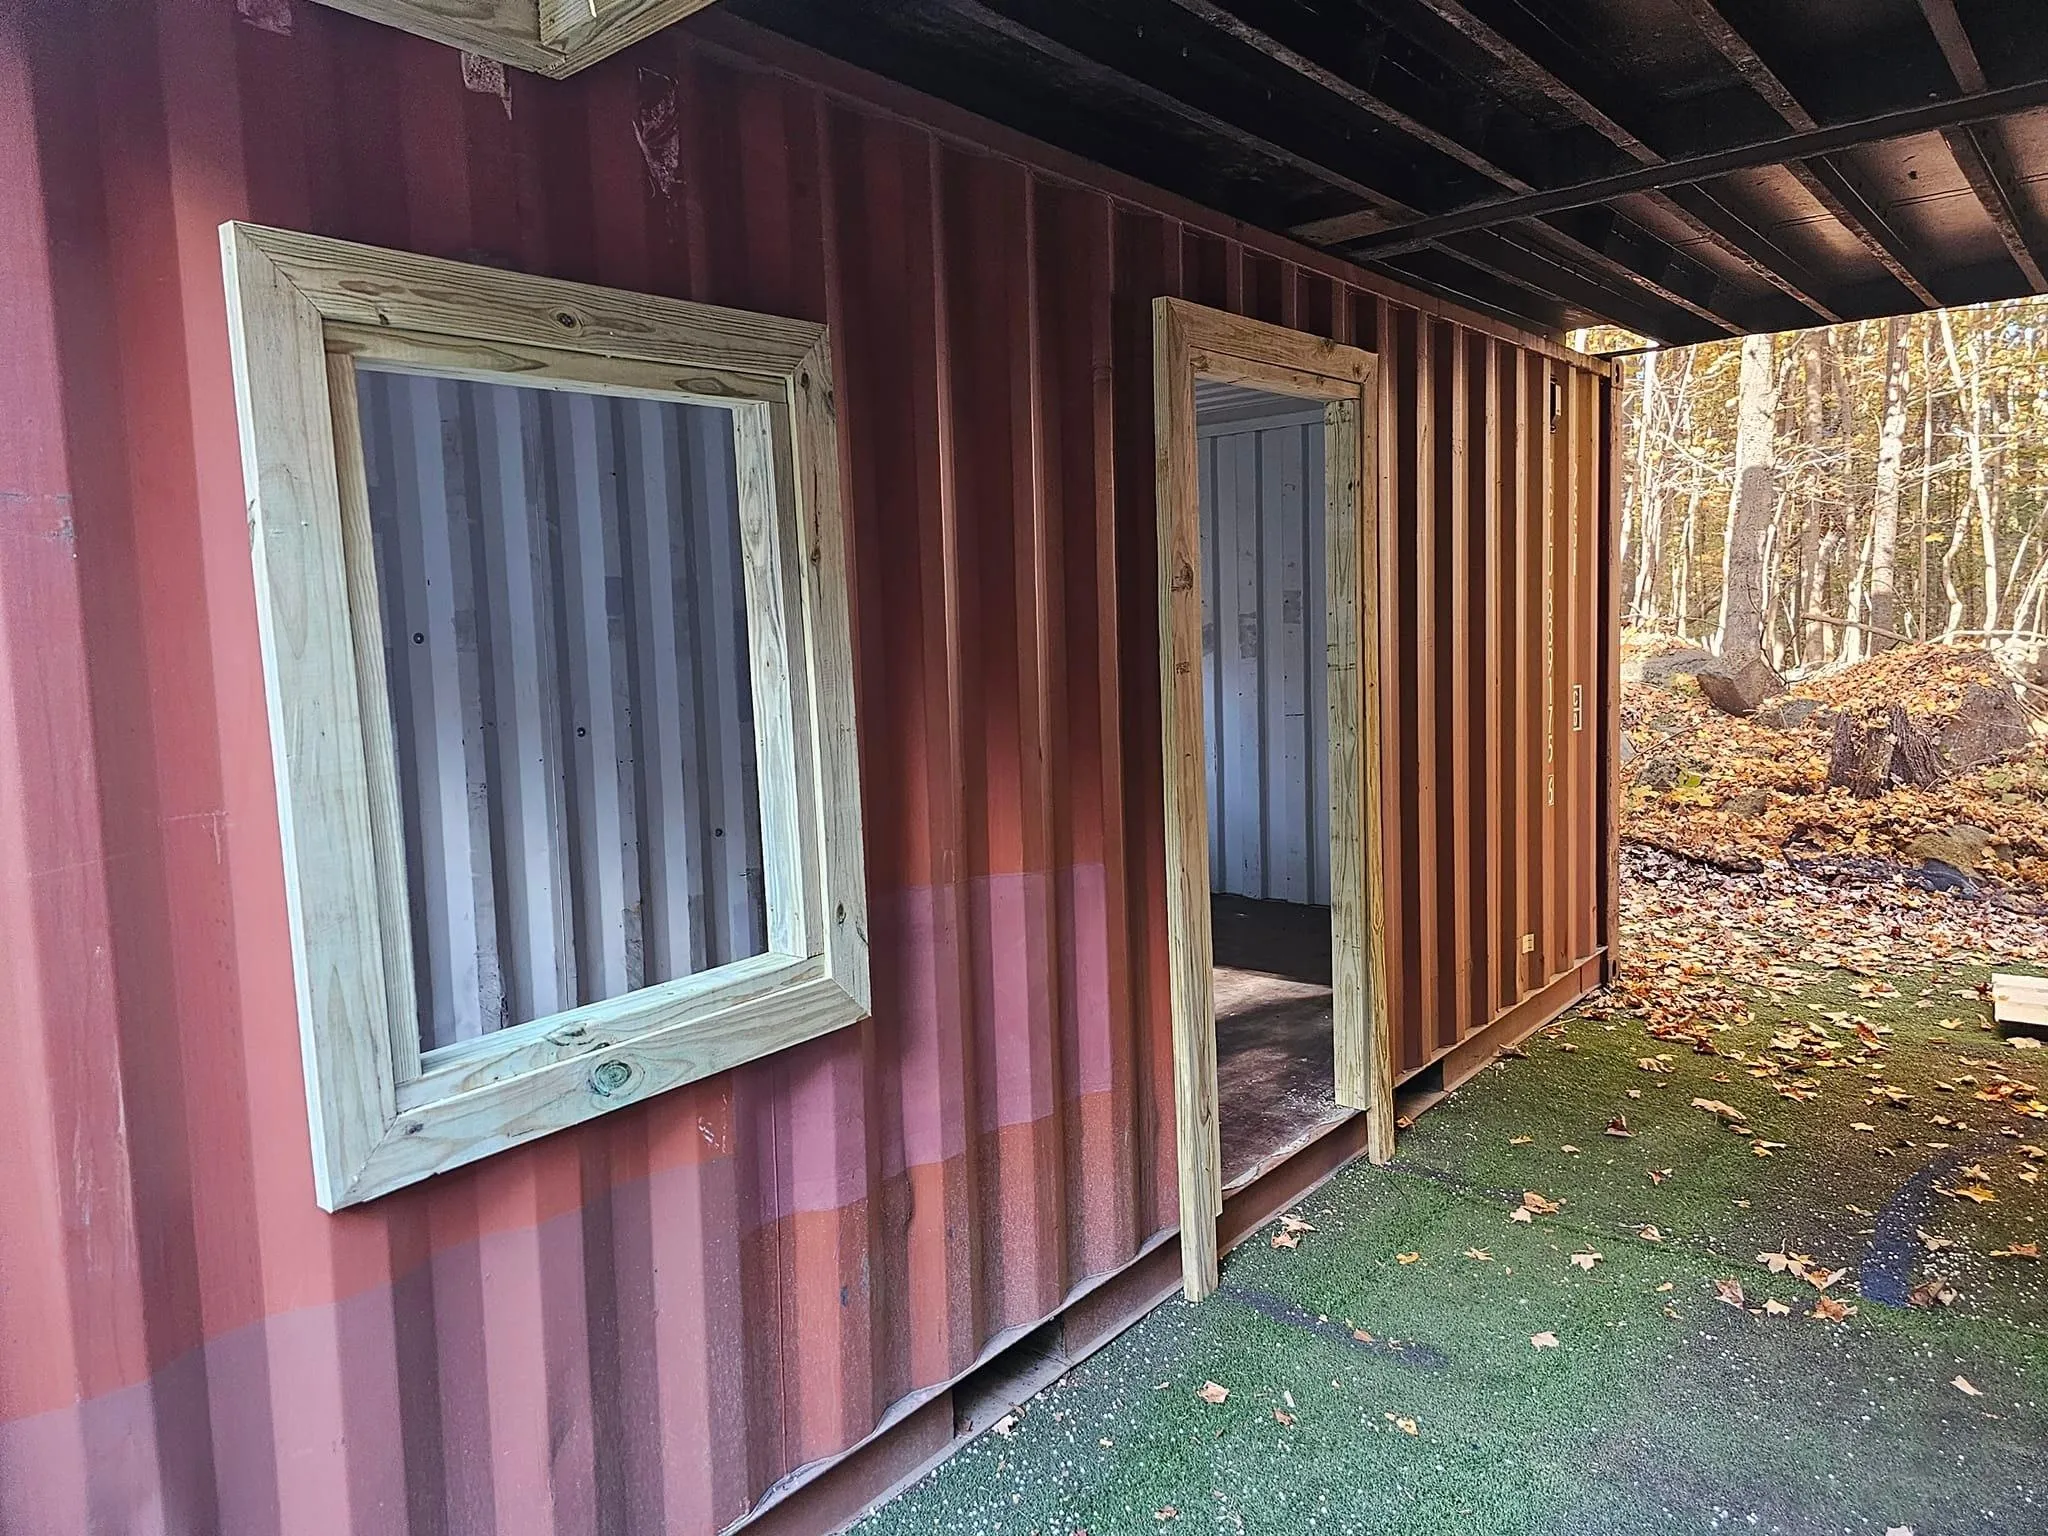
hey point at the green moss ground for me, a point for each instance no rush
(1663, 1408)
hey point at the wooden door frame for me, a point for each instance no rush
(1190, 340)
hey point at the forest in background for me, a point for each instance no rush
(1820, 496)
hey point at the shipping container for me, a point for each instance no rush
(677, 1315)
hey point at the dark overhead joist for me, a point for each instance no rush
(1908, 121)
(1825, 182)
(1576, 281)
(1349, 91)
(1857, 212)
(1973, 148)
(1728, 233)
(1532, 75)
(1083, 66)
(1761, 255)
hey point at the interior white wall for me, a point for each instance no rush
(1263, 644)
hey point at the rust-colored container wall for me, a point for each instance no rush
(645, 1324)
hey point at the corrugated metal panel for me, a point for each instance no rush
(643, 1325)
(565, 642)
(1264, 676)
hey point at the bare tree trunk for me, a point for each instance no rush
(1971, 399)
(1635, 512)
(1750, 506)
(1884, 516)
(1926, 474)
(1813, 524)
(1831, 544)
(1852, 609)
(1774, 644)
(1688, 540)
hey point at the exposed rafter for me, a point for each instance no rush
(1832, 191)
(1528, 155)
(1975, 149)
(1716, 225)
(1084, 67)
(1369, 240)
(1659, 286)
(1825, 182)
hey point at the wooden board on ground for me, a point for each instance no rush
(2020, 1000)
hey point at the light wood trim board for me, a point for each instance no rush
(1189, 339)
(303, 312)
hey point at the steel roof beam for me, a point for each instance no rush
(1972, 147)
(1085, 66)
(1367, 237)
(1830, 185)
(1531, 74)
(1725, 231)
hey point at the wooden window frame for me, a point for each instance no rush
(555, 38)
(302, 312)
(1190, 340)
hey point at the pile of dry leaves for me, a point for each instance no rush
(1697, 940)
(1750, 793)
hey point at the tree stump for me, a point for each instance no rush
(1867, 760)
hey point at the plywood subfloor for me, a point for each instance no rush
(1274, 1072)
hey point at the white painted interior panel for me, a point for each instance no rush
(1263, 646)
(566, 648)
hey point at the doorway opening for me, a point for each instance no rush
(1293, 785)
(1266, 730)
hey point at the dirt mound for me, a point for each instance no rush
(1745, 792)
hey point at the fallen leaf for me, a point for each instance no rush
(1295, 1224)
(1659, 1175)
(1286, 1240)
(1618, 1127)
(1729, 1291)
(1520, 1213)
(1863, 1126)
(1652, 1064)
(2018, 1251)
(1716, 1108)
(1211, 1393)
(1168, 1513)
(1406, 1258)
(1973, 1192)
(1932, 1243)
(1777, 1308)
(1006, 1426)
(1283, 1416)
(1531, 1201)
(1361, 1335)
(1574, 1151)
(1586, 1260)
(1962, 1385)
(1830, 1310)
(1650, 1234)
(1479, 1254)
(1544, 1340)
(1520, 1141)
(1931, 1293)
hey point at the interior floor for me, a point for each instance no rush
(1275, 1075)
